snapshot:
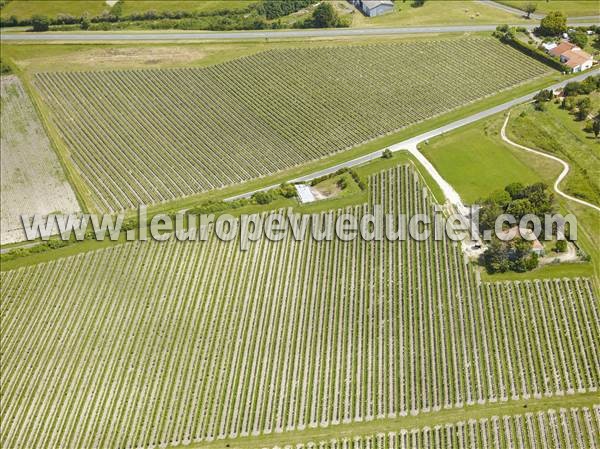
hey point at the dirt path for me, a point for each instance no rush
(562, 176)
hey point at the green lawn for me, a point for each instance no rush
(204, 6)
(476, 162)
(571, 8)
(24, 9)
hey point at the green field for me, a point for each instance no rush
(476, 162)
(291, 106)
(571, 8)
(24, 9)
(557, 131)
(200, 6)
(437, 13)
(173, 343)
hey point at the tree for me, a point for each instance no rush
(578, 38)
(596, 127)
(554, 24)
(516, 190)
(85, 23)
(495, 258)
(584, 107)
(40, 23)
(324, 16)
(519, 208)
(387, 154)
(262, 197)
(561, 246)
(530, 8)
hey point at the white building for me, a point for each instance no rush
(305, 194)
(572, 56)
(373, 8)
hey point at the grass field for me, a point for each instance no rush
(465, 155)
(203, 6)
(159, 347)
(437, 13)
(571, 8)
(24, 9)
(557, 131)
(176, 124)
(33, 180)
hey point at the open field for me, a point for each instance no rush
(451, 12)
(24, 9)
(155, 136)
(203, 6)
(557, 132)
(462, 156)
(32, 178)
(571, 8)
(159, 347)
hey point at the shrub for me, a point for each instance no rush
(40, 23)
(342, 183)
(262, 197)
(561, 246)
(387, 154)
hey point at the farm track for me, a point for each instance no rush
(561, 177)
(152, 136)
(152, 344)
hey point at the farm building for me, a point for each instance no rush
(572, 56)
(305, 194)
(527, 234)
(373, 8)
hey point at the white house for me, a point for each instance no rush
(373, 8)
(572, 56)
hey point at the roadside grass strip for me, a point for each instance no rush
(150, 344)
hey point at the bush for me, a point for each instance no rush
(342, 183)
(387, 154)
(561, 246)
(40, 23)
(262, 197)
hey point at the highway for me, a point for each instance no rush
(247, 35)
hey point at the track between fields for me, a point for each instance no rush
(563, 174)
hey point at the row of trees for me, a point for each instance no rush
(258, 15)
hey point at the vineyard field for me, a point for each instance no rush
(152, 136)
(568, 428)
(146, 344)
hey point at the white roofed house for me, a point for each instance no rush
(373, 8)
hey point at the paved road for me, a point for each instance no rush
(244, 35)
(411, 145)
(563, 174)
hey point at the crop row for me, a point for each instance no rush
(574, 428)
(165, 343)
(148, 136)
